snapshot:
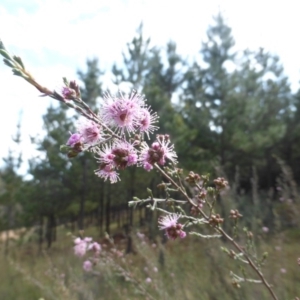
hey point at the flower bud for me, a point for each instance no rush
(64, 149)
(72, 154)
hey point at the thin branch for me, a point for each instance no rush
(222, 232)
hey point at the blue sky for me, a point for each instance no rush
(55, 37)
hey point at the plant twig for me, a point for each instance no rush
(222, 232)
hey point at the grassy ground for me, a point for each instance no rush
(192, 268)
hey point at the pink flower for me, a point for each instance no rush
(265, 229)
(74, 139)
(77, 241)
(95, 247)
(157, 153)
(124, 155)
(170, 224)
(107, 172)
(146, 165)
(148, 280)
(140, 235)
(87, 266)
(119, 155)
(80, 247)
(68, 93)
(146, 121)
(168, 149)
(89, 131)
(112, 157)
(122, 112)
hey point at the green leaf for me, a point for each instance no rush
(1, 45)
(5, 54)
(65, 80)
(8, 63)
(18, 73)
(19, 61)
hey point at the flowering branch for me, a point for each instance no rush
(116, 137)
(215, 224)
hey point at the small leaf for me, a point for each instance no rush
(149, 192)
(8, 63)
(66, 82)
(1, 45)
(5, 54)
(19, 61)
(18, 72)
(132, 204)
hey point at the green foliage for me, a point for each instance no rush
(10, 187)
(236, 107)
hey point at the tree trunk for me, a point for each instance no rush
(9, 210)
(107, 223)
(101, 208)
(41, 233)
(83, 195)
(50, 230)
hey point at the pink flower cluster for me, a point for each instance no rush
(88, 133)
(128, 113)
(121, 119)
(159, 151)
(82, 246)
(118, 155)
(170, 224)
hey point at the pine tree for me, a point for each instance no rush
(261, 120)
(207, 95)
(135, 62)
(82, 165)
(11, 184)
(235, 108)
(50, 182)
(162, 86)
(289, 145)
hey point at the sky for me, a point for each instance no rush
(55, 37)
